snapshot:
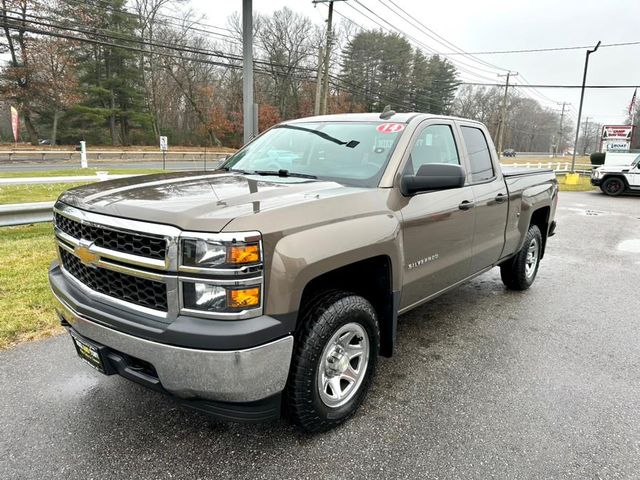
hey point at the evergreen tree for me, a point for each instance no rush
(111, 77)
(443, 85)
(381, 69)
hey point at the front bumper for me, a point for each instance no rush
(596, 181)
(240, 375)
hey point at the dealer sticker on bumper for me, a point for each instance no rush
(88, 353)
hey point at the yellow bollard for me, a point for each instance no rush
(572, 179)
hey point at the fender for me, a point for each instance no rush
(300, 257)
(532, 198)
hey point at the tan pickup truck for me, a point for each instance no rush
(271, 285)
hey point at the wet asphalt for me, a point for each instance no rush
(486, 383)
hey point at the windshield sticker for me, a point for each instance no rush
(390, 127)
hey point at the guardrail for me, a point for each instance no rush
(25, 213)
(71, 155)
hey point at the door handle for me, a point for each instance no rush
(501, 198)
(466, 205)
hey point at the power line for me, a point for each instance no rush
(550, 86)
(428, 48)
(444, 40)
(551, 49)
(435, 36)
(337, 82)
(120, 37)
(537, 92)
(411, 38)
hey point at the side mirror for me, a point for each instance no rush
(435, 176)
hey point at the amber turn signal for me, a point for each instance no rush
(244, 254)
(248, 297)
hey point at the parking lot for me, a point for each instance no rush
(486, 383)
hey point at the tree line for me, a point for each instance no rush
(113, 72)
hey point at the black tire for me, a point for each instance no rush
(322, 318)
(518, 273)
(613, 186)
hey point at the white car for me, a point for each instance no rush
(616, 179)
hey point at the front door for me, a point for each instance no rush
(437, 226)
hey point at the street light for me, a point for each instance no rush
(584, 81)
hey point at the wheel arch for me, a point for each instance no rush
(360, 255)
(540, 218)
(372, 279)
(607, 176)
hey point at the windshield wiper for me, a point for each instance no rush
(349, 144)
(284, 173)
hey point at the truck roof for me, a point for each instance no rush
(371, 117)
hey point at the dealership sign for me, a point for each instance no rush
(616, 138)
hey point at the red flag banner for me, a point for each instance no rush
(15, 124)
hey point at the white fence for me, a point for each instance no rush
(558, 167)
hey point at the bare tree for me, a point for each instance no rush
(152, 25)
(54, 79)
(284, 38)
(16, 78)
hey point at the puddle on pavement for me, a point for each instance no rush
(586, 211)
(632, 246)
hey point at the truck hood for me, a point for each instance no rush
(199, 201)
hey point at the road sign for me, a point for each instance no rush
(164, 144)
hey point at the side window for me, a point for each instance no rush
(479, 156)
(435, 144)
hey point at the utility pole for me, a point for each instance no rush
(584, 81)
(327, 56)
(585, 135)
(503, 118)
(560, 131)
(247, 70)
(316, 107)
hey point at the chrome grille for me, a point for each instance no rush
(140, 291)
(148, 246)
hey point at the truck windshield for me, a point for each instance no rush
(353, 153)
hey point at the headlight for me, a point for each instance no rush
(203, 253)
(221, 274)
(219, 251)
(206, 297)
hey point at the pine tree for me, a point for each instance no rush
(381, 69)
(111, 77)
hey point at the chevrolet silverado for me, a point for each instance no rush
(272, 285)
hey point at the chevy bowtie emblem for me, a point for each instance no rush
(86, 256)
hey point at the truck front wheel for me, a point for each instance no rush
(519, 272)
(333, 362)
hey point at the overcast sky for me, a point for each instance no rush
(491, 25)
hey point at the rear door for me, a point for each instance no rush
(490, 194)
(436, 231)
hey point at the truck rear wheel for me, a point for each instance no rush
(613, 186)
(333, 362)
(519, 272)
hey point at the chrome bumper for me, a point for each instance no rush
(229, 376)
